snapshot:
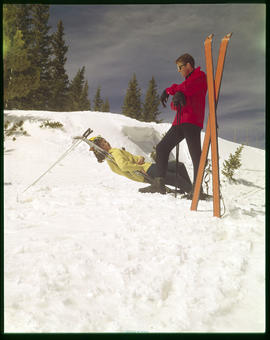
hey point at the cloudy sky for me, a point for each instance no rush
(115, 41)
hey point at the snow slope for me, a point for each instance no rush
(86, 252)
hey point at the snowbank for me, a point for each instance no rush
(86, 252)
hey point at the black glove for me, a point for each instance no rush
(179, 99)
(164, 98)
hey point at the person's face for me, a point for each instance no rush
(184, 69)
(104, 145)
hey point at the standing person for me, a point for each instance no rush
(189, 102)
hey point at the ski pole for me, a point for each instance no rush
(74, 144)
(53, 165)
(177, 149)
(176, 167)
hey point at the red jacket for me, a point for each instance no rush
(194, 88)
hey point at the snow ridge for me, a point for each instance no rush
(86, 252)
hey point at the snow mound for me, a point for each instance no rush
(86, 252)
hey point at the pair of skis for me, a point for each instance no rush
(211, 130)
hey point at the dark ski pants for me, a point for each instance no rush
(182, 181)
(192, 134)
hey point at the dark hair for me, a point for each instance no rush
(186, 58)
(100, 156)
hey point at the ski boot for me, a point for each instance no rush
(158, 185)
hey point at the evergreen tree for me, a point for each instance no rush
(78, 92)
(18, 79)
(24, 23)
(98, 102)
(106, 106)
(41, 56)
(59, 88)
(75, 90)
(34, 78)
(151, 104)
(85, 102)
(232, 164)
(132, 101)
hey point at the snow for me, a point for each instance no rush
(86, 252)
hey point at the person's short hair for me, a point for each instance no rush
(186, 58)
(100, 156)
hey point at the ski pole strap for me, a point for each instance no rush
(87, 133)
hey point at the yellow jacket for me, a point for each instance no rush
(126, 164)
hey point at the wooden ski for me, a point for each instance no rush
(211, 130)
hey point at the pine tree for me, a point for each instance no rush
(41, 56)
(98, 102)
(132, 101)
(106, 106)
(59, 88)
(85, 102)
(78, 92)
(151, 104)
(232, 164)
(75, 90)
(18, 78)
(24, 23)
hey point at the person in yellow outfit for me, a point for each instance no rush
(126, 164)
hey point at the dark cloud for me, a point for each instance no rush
(114, 41)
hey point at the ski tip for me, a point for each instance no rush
(210, 36)
(208, 40)
(228, 35)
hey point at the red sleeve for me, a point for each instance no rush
(172, 89)
(189, 87)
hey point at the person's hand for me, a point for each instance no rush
(143, 172)
(164, 98)
(140, 160)
(179, 99)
